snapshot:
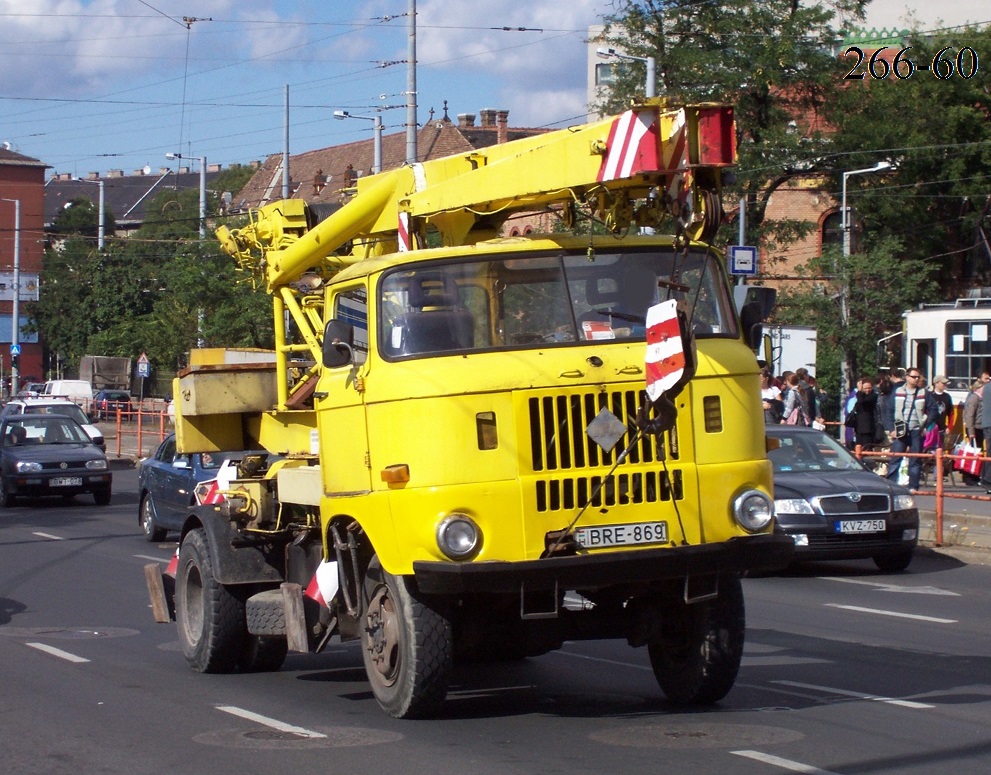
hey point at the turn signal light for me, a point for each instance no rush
(398, 474)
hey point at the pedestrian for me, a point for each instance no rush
(973, 430)
(770, 398)
(886, 403)
(939, 414)
(794, 412)
(910, 419)
(849, 435)
(866, 422)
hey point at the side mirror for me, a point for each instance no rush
(338, 344)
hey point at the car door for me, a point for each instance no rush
(170, 481)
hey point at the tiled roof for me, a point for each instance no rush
(318, 176)
(18, 159)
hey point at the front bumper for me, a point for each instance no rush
(605, 569)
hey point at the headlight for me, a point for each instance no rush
(27, 467)
(904, 502)
(459, 537)
(96, 465)
(753, 510)
(793, 506)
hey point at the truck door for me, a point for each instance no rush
(342, 432)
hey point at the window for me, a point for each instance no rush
(832, 231)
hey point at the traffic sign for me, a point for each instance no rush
(15, 349)
(743, 259)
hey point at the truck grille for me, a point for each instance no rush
(559, 444)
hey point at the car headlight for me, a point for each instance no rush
(28, 467)
(96, 465)
(458, 537)
(753, 510)
(904, 502)
(793, 506)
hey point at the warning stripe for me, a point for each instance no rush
(632, 146)
(403, 232)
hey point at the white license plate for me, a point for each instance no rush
(632, 534)
(66, 481)
(860, 526)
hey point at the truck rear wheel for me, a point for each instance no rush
(210, 619)
(406, 644)
(697, 654)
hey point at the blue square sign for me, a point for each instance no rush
(743, 259)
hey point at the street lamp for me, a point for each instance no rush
(340, 115)
(100, 227)
(650, 85)
(15, 321)
(200, 341)
(202, 161)
(845, 226)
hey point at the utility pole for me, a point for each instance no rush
(15, 322)
(411, 151)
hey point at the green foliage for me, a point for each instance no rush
(81, 217)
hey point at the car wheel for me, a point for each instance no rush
(892, 563)
(102, 496)
(407, 645)
(210, 620)
(6, 497)
(696, 656)
(153, 533)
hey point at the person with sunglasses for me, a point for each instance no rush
(910, 418)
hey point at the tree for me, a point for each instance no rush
(771, 59)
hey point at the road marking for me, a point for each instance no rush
(56, 652)
(777, 761)
(48, 535)
(882, 612)
(857, 695)
(882, 587)
(268, 722)
(153, 559)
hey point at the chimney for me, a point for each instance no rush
(164, 170)
(92, 176)
(488, 117)
(255, 164)
(466, 120)
(502, 126)
(214, 167)
(64, 176)
(140, 171)
(115, 173)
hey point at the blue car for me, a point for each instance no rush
(170, 483)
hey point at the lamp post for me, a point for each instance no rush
(340, 115)
(15, 317)
(200, 340)
(650, 85)
(845, 226)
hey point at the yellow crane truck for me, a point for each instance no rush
(465, 462)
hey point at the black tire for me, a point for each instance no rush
(209, 618)
(406, 645)
(697, 654)
(146, 515)
(6, 497)
(102, 496)
(263, 653)
(893, 563)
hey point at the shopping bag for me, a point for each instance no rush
(969, 460)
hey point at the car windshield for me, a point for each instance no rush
(545, 300)
(42, 429)
(810, 452)
(65, 410)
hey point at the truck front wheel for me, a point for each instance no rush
(210, 619)
(406, 643)
(697, 653)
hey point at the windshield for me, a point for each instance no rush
(43, 429)
(810, 452)
(66, 410)
(543, 299)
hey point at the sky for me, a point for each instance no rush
(95, 85)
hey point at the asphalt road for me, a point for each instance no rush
(846, 670)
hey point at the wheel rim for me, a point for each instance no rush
(147, 521)
(383, 636)
(192, 618)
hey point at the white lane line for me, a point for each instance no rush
(785, 764)
(268, 722)
(153, 559)
(857, 695)
(56, 652)
(48, 535)
(882, 612)
(888, 587)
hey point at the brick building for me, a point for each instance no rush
(22, 187)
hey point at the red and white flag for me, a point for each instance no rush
(665, 359)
